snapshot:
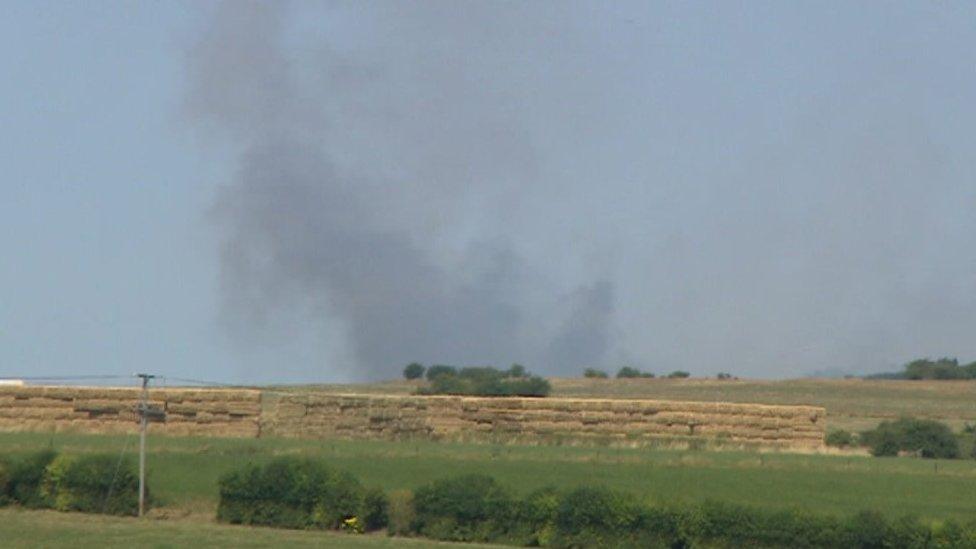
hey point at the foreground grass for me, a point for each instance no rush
(19, 528)
(184, 472)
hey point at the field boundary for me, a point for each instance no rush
(636, 421)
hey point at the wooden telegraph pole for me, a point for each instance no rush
(146, 413)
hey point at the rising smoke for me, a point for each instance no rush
(573, 184)
(376, 238)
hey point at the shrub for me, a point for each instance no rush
(466, 508)
(95, 483)
(290, 492)
(414, 370)
(438, 370)
(627, 372)
(868, 530)
(593, 373)
(376, 510)
(401, 513)
(929, 438)
(533, 386)
(486, 381)
(596, 517)
(724, 376)
(535, 519)
(679, 374)
(517, 370)
(839, 438)
(26, 476)
(5, 497)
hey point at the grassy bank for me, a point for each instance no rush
(28, 529)
(184, 472)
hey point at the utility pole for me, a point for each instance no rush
(144, 412)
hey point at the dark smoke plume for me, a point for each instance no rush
(380, 250)
(761, 189)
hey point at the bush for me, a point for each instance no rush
(627, 373)
(724, 376)
(678, 374)
(596, 517)
(533, 386)
(376, 510)
(438, 370)
(401, 513)
(839, 438)
(26, 476)
(466, 508)
(595, 374)
(535, 519)
(5, 496)
(414, 370)
(486, 381)
(930, 439)
(517, 370)
(95, 483)
(291, 492)
(474, 508)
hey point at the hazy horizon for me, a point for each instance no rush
(324, 192)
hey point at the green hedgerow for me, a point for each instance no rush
(6, 498)
(290, 492)
(596, 517)
(26, 476)
(376, 510)
(466, 508)
(95, 483)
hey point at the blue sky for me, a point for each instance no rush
(108, 261)
(762, 188)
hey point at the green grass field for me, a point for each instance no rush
(184, 472)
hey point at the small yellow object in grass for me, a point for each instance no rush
(352, 525)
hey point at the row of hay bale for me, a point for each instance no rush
(218, 412)
(455, 417)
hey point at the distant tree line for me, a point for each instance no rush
(478, 381)
(629, 372)
(925, 368)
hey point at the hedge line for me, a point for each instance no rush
(293, 492)
(93, 483)
(301, 493)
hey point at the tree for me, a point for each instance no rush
(628, 372)
(679, 374)
(929, 438)
(414, 370)
(594, 373)
(439, 369)
(517, 370)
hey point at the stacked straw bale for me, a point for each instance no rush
(218, 412)
(459, 418)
